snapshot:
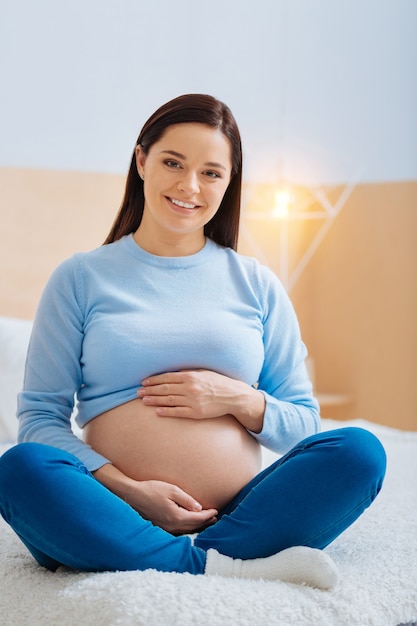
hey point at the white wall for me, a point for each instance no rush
(323, 90)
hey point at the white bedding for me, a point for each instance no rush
(377, 558)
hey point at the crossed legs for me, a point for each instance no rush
(307, 498)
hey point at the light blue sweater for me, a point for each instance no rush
(110, 317)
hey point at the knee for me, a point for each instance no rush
(10, 467)
(21, 454)
(23, 463)
(19, 458)
(363, 454)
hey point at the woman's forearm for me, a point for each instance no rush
(116, 481)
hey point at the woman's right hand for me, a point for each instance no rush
(164, 504)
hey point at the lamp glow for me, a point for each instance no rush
(283, 201)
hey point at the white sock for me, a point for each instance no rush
(294, 565)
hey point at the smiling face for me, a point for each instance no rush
(186, 174)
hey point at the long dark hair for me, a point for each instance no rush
(224, 226)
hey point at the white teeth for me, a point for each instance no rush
(184, 205)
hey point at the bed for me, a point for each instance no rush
(377, 557)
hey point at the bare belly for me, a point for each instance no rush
(210, 459)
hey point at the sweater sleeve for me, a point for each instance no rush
(53, 370)
(292, 412)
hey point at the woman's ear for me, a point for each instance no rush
(140, 161)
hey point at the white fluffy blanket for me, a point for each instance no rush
(377, 558)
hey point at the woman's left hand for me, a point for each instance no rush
(203, 394)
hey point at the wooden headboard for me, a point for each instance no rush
(46, 216)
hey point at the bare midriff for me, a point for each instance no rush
(210, 459)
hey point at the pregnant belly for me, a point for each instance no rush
(210, 459)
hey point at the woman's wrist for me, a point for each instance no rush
(250, 408)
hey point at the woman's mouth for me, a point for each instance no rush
(183, 205)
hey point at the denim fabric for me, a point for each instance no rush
(308, 497)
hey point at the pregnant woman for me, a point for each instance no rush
(184, 357)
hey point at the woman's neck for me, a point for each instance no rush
(169, 245)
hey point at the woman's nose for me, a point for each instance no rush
(189, 183)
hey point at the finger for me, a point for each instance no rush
(182, 527)
(169, 400)
(161, 379)
(196, 520)
(185, 521)
(206, 524)
(177, 411)
(185, 501)
(170, 406)
(162, 391)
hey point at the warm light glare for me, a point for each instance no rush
(283, 201)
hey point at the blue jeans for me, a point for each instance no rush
(308, 497)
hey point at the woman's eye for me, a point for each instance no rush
(171, 163)
(212, 174)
